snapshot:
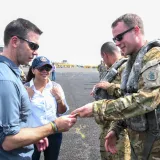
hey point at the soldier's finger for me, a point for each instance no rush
(106, 145)
(98, 85)
(76, 111)
(111, 149)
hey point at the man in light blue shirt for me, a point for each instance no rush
(13, 118)
(16, 135)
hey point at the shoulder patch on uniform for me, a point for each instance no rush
(152, 75)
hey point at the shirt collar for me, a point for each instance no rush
(10, 64)
(48, 85)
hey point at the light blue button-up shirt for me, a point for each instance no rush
(15, 110)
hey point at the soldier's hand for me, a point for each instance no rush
(92, 92)
(84, 111)
(64, 123)
(103, 84)
(110, 142)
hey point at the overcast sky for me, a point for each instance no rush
(74, 30)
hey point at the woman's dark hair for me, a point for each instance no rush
(30, 75)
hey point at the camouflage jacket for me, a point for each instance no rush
(145, 100)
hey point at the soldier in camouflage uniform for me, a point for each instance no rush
(140, 88)
(102, 69)
(116, 63)
(22, 74)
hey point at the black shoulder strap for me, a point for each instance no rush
(111, 74)
(119, 63)
(153, 132)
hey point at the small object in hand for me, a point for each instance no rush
(77, 115)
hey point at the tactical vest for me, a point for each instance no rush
(149, 122)
(110, 75)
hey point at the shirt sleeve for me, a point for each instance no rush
(9, 109)
(117, 127)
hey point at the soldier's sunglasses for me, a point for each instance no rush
(119, 37)
(33, 46)
(46, 68)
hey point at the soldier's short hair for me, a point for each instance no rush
(109, 48)
(19, 27)
(130, 20)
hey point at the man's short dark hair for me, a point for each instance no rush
(109, 47)
(19, 27)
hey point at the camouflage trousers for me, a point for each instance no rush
(137, 140)
(123, 147)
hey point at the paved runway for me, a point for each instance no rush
(82, 141)
(77, 84)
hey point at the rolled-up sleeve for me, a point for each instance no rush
(9, 109)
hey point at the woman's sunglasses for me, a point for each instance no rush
(33, 46)
(46, 68)
(119, 37)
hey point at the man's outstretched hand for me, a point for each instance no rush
(84, 111)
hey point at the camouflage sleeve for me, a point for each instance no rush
(127, 107)
(114, 90)
(117, 127)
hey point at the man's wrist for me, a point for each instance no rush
(116, 134)
(54, 127)
(59, 100)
